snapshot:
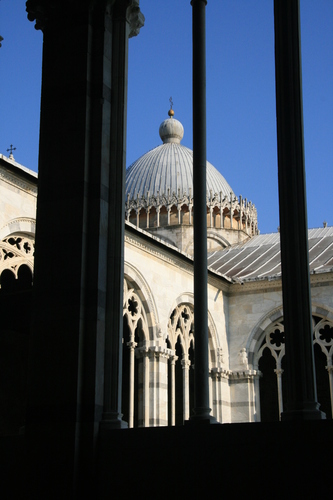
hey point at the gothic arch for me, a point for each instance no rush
(180, 326)
(211, 235)
(22, 225)
(258, 333)
(322, 310)
(135, 314)
(218, 238)
(273, 316)
(137, 282)
(213, 339)
(268, 337)
(17, 253)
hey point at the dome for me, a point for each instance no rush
(170, 167)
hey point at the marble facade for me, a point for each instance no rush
(158, 313)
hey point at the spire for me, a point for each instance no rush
(171, 111)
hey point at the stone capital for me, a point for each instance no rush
(173, 360)
(186, 363)
(43, 11)
(135, 18)
(132, 345)
(159, 352)
(141, 352)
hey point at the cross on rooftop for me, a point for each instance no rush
(11, 149)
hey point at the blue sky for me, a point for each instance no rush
(241, 123)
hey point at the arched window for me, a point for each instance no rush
(323, 351)
(135, 332)
(16, 262)
(180, 381)
(7, 280)
(270, 358)
(24, 276)
(270, 355)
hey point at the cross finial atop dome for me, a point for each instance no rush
(171, 111)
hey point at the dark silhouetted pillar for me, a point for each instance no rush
(201, 385)
(78, 277)
(299, 376)
(126, 21)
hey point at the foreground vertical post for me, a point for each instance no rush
(301, 401)
(127, 20)
(201, 404)
(77, 314)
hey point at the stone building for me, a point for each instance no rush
(92, 326)
(245, 313)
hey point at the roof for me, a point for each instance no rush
(168, 168)
(18, 169)
(260, 257)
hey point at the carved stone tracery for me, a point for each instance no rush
(16, 250)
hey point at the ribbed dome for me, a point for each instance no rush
(170, 166)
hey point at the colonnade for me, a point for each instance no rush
(149, 212)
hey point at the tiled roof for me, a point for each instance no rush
(260, 257)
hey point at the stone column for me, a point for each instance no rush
(301, 398)
(131, 345)
(72, 280)
(211, 216)
(231, 210)
(257, 408)
(169, 211)
(126, 21)
(179, 208)
(279, 388)
(186, 363)
(329, 368)
(172, 383)
(201, 405)
(143, 358)
(158, 209)
(65, 382)
(158, 387)
(213, 392)
(147, 212)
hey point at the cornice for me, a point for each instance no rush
(275, 283)
(152, 249)
(257, 286)
(18, 182)
(322, 278)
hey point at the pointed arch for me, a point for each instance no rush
(258, 333)
(267, 339)
(22, 225)
(135, 280)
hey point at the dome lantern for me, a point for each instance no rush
(171, 130)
